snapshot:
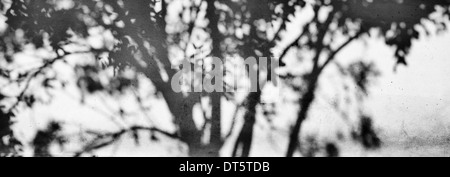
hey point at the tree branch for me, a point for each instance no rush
(192, 25)
(36, 73)
(295, 42)
(319, 46)
(339, 49)
(103, 140)
(305, 29)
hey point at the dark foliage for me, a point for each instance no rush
(366, 134)
(9, 145)
(45, 138)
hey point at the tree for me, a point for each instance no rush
(395, 21)
(142, 43)
(147, 39)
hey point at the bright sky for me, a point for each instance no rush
(416, 98)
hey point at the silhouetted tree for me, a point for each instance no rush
(148, 40)
(142, 43)
(397, 22)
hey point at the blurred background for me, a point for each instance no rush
(356, 78)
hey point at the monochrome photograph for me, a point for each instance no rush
(224, 78)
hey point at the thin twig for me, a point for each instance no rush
(106, 139)
(39, 71)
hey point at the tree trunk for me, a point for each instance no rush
(215, 139)
(308, 98)
(305, 105)
(182, 110)
(244, 141)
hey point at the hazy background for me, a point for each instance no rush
(410, 106)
